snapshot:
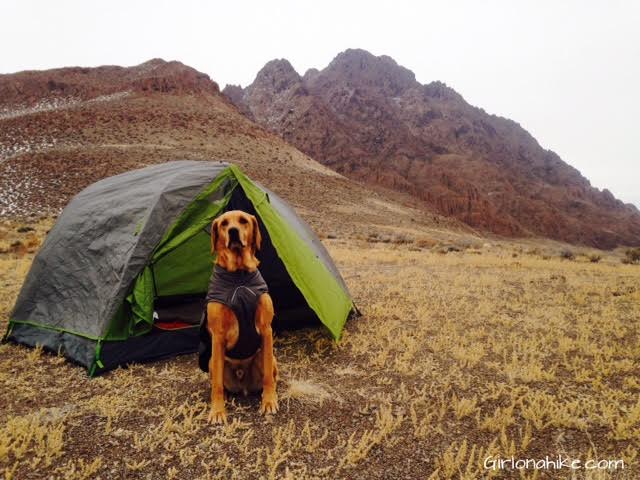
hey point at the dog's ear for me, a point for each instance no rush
(257, 236)
(214, 235)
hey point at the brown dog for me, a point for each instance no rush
(237, 291)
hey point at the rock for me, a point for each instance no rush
(369, 118)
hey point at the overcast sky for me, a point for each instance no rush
(567, 71)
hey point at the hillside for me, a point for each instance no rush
(368, 118)
(62, 129)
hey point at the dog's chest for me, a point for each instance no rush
(240, 291)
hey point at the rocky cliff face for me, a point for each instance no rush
(368, 118)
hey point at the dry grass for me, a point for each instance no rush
(306, 391)
(457, 357)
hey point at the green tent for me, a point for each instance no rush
(122, 275)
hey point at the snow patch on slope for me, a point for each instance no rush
(56, 103)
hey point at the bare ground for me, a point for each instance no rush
(497, 349)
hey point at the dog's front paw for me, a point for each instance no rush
(218, 415)
(269, 403)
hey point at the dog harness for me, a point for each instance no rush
(240, 291)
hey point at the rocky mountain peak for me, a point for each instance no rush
(310, 75)
(277, 76)
(154, 62)
(368, 118)
(359, 68)
(172, 77)
(233, 92)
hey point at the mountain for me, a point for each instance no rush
(369, 118)
(63, 129)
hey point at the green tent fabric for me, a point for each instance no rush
(131, 254)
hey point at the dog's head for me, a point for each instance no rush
(236, 238)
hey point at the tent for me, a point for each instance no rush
(122, 275)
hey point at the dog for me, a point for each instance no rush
(239, 312)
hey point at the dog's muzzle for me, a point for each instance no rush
(234, 239)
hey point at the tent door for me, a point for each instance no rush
(292, 310)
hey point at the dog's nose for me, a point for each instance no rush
(234, 234)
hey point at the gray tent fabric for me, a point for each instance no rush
(82, 350)
(108, 231)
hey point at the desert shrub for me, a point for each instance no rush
(16, 247)
(632, 256)
(594, 257)
(379, 238)
(401, 239)
(448, 248)
(567, 254)
(469, 243)
(426, 242)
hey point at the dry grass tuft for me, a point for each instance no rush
(35, 435)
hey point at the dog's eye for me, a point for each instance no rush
(225, 223)
(243, 220)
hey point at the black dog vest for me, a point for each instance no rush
(240, 291)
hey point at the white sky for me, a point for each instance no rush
(567, 71)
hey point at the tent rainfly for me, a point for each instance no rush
(122, 275)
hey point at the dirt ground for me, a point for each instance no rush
(462, 352)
